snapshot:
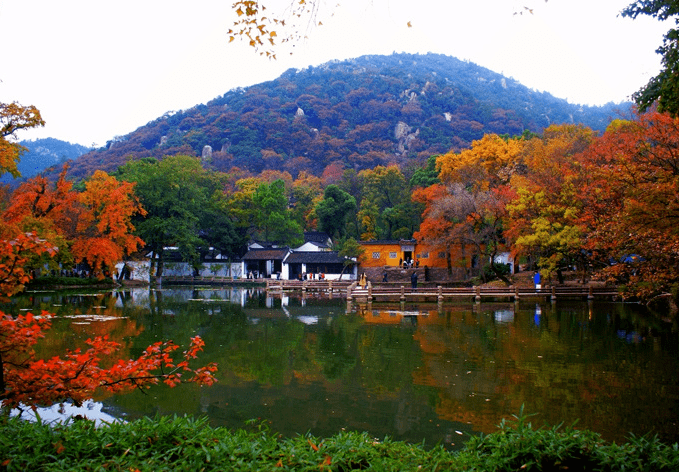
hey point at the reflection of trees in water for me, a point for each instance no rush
(392, 370)
(574, 365)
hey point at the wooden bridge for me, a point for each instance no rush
(391, 292)
(429, 293)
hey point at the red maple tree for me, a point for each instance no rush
(39, 217)
(75, 376)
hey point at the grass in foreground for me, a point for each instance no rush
(183, 444)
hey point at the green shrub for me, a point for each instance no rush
(56, 281)
(171, 444)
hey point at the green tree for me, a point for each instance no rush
(273, 219)
(385, 203)
(217, 227)
(177, 194)
(427, 175)
(350, 250)
(334, 210)
(306, 193)
(664, 87)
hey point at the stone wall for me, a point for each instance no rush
(402, 276)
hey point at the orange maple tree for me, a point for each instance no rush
(632, 203)
(78, 374)
(436, 227)
(94, 225)
(104, 230)
(42, 215)
(25, 379)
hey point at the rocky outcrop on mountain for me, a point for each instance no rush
(373, 110)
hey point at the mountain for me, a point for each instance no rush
(42, 154)
(357, 113)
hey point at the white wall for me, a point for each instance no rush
(140, 269)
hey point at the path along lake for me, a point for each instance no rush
(410, 372)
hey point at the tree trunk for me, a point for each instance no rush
(449, 262)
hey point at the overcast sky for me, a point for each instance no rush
(97, 69)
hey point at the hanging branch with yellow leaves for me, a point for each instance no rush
(264, 31)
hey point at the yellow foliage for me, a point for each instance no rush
(490, 160)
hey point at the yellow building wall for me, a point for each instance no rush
(430, 256)
(380, 254)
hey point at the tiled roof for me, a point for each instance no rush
(314, 257)
(316, 236)
(389, 241)
(266, 254)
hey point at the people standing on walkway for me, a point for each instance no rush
(413, 280)
(362, 281)
(537, 280)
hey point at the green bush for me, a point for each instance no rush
(170, 444)
(57, 281)
(519, 447)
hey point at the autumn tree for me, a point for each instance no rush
(92, 227)
(18, 244)
(17, 248)
(491, 161)
(31, 381)
(104, 234)
(468, 210)
(49, 211)
(305, 195)
(632, 204)
(437, 224)
(13, 118)
(241, 205)
(545, 219)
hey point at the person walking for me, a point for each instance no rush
(413, 280)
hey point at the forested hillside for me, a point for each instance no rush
(475, 173)
(41, 154)
(360, 113)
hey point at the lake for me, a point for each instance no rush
(410, 372)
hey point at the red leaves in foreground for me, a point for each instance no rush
(78, 373)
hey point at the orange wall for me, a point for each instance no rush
(388, 254)
(379, 254)
(430, 256)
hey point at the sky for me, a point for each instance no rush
(101, 69)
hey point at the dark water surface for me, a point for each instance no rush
(410, 372)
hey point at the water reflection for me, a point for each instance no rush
(410, 372)
(61, 413)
